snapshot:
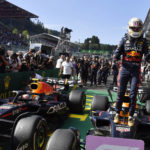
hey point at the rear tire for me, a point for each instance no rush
(32, 131)
(77, 101)
(100, 103)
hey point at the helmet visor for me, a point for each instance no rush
(136, 29)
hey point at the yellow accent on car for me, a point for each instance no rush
(81, 117)
(124, 115)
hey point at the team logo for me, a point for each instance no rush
(133, 54)
(6, 82)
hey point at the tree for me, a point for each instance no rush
(95, 40)
(94, 46)
(15, 31)
(25, 33)
(87, 43)
(92, 43)
(49, 32)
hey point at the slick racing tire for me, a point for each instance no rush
(32, 131)
(77, 101)
(62, 139)
(147, 105)
(100, 103)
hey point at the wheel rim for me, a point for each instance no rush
(40, 137)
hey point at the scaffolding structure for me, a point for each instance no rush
(64, 41)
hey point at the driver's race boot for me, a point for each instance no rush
(116, 118)
(130, 121)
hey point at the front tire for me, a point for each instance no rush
(31, 130)
(63, 139)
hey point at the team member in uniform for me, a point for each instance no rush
(60, 61)
(66, 69)
(131, 47)
(94, 69)
(84, 70)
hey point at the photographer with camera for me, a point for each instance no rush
(15, 63)
(28, 56)
(41, 59)
(3, 60)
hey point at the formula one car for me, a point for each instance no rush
(103, 112)
(102, 115)
(23, 119)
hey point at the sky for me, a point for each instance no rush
(106, 19)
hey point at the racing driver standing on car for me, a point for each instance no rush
(132, 47)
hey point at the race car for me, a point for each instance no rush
(102, 116)
(24, 119)
(119, 136)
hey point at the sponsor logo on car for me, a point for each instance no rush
(122, 129)
(5, 107)
(56, 108)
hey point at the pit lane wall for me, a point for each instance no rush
(19, 80)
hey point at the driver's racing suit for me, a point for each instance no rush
(132, 50)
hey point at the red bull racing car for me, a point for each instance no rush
(24, 118)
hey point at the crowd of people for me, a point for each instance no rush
(93, 69)
(29, 61)
(85, 68)
(8, 38)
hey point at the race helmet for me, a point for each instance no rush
(135, 27)
(25, 96)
